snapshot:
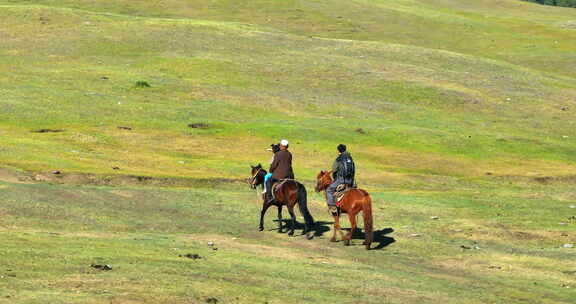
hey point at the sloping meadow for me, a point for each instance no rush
(81, 73)
(477, 243)
(129, 127)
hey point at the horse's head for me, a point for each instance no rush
(258, 174)
(323, 180)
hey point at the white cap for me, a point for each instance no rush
(284, 142)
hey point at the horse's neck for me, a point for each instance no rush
(330, 181)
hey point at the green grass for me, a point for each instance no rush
(52, 234)
(256, 84)
(457, 109)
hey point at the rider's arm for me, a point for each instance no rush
(335, 167)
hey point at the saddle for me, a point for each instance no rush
(341, 190)
(278, 184)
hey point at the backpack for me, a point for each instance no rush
(346, 167)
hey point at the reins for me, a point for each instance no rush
(254, 177)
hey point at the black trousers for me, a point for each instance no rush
(269, 184)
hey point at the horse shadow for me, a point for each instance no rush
(319, 228)
(379, 237)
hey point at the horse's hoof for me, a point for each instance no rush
(368, 247)
(333, 240)
(291, 233)
(347, 243)
(309, 236)
(280, 231)
(260, 228)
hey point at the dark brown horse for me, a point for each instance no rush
(354, 201)
(288, 193)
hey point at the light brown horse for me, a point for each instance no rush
(354, 201)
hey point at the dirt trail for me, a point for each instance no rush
(13, 177)
(76, 178)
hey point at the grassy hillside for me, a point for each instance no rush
(512, 31)
(76, 70)
(458, 109)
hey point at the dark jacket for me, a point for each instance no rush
(281, 167)
(338, 171)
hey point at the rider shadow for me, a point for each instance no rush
(319, 228)
(379, 237)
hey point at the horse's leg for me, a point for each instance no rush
(279, 218)
(336, 228)
(305, 231)
(293, 216)
(348, 237)
(262, 213)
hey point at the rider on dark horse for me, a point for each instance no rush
(343, 171)
(281, 168)
(288, 192)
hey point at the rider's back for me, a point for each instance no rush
(281, 167)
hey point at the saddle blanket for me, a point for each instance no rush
(341, 190)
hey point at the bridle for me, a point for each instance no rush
(253, 179)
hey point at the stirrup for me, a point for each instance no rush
(333, 210)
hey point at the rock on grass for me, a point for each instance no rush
(101, 267)
(193, 256)
(199, 125)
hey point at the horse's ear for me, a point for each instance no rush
(259, 165)
(252, 167)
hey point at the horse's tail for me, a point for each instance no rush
(303, 205)
(368, 226)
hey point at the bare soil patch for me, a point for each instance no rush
(13, 177)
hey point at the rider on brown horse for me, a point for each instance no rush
(343, 171)
(288, 192)
(281, 168)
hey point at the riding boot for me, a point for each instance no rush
(268, 196)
